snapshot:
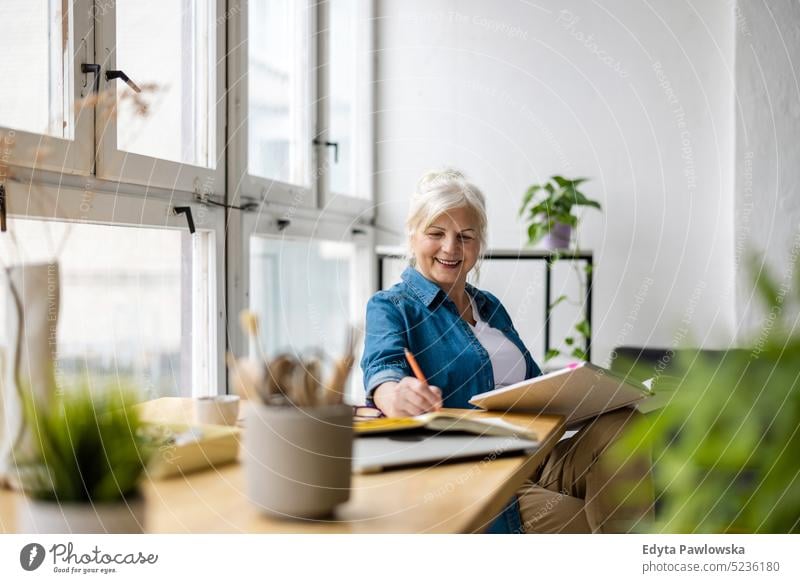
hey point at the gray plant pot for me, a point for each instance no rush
(558, 238)
(298, 462)
(46, 517)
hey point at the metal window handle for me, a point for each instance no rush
(2, 208)
(114, 74)
(334, 145)
(185, 210)
(95, 69)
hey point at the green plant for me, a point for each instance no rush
(88, 448)
(725, 447)
(544, 205)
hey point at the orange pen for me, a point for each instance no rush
(415, 367)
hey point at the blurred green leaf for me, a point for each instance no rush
(558, 300)
(579, 353)
(550, 354)
(583, 328)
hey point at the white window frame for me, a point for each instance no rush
(246, 185)
(120, 166)
(362, 279)
(360, 202)
(279, 194)
(68, 156)
(71, 203)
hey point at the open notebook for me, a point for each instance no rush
(445, 421)
(578, 392)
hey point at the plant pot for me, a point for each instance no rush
(46, 517)
(558, 238)
(297, 462)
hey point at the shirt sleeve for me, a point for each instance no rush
(385, 340)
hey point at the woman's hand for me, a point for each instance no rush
(407, 398)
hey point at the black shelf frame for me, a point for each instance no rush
(549, 258)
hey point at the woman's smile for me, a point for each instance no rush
(450, 264)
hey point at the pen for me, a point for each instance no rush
(415, 367)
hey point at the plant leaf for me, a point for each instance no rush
(579, 353)
(583, 328)
(526, 199)
(558, 300)
(552, 353)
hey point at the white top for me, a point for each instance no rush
(508, 362)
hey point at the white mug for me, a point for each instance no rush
(217, 410)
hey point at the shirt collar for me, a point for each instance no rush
(425, 289)
(429, 292)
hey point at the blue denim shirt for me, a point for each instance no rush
(417, 314)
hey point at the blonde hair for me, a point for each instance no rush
(438, 192)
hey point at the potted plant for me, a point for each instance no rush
(725, 446)
(83, 475)
(547, 209)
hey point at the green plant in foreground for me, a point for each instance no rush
(544, 205)
(725, 449)
(87, 448)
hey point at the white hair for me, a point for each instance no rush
(438, 192)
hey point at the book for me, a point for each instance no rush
(464, 421)
(183, 448)
(579, 392)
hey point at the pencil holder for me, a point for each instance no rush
(297, 461)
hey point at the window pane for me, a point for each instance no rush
(124, 314)
(302, 292)
(169, 49)
(277, 87)
(36, 62)
(342, 93)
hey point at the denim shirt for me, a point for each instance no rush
(417, 314)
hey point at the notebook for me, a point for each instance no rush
(441, 421)
(578, 392)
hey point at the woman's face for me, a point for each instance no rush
(448, 249)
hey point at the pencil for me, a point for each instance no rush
(415, 367)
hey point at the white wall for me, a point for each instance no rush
(636, 95)
(767, 162)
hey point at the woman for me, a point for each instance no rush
(466, 344)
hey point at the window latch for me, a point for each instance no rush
(2, 208)
(95, 69)
(113, 74)
(334, 145)
(185, 210)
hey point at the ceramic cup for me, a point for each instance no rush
(216, 410)
(297, 462)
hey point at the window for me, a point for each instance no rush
(37, 73)
(176, 57)
(307, 283)
(278, 137)
(126, 313)
(167, 80)
(302, 291)
(42, 44)
(304, 137)
(132, 96)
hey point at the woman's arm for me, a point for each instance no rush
(387, 376)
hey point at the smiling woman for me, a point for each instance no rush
(465, 343)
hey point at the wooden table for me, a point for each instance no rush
(450, 497)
